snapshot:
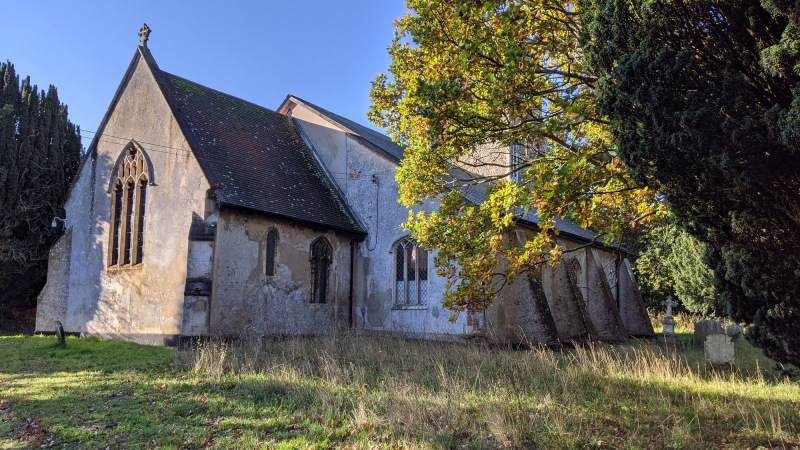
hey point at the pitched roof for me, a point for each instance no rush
(476, 193)
(255, 157)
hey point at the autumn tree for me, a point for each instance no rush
(39, 153)
(705, 101)
(469, 81)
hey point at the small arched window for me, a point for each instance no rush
(410, 273)
(271, 253)
(321, 257)
(129, 200)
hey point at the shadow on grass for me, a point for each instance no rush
(42, 355)
(104, 393)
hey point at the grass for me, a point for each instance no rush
(379, 392)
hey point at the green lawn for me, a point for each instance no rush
(377, 392)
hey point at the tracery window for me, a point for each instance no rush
(410, 273)
(520, 155)
(129, 200)
(321, 257)
(515, 154)
(271, 253)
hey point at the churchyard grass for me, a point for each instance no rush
(379, 392)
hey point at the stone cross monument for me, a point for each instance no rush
(669, 322)
(144, 35)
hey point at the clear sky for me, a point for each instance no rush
(324, 51)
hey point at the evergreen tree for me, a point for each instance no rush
(704, 97)
(40, 150)
(670, 261)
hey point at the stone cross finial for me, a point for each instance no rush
(144, 35)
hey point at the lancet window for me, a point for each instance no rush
(270, 258)
(321, 257)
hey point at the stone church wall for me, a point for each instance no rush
(52, 304)
(576, 299)
(139, 302)
(366, 177)
(246, 300)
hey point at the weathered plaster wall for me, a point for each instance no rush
(246, 300)
(631, 306)
(52, 302)
(600, 303)
(521, 313)
(575, 299)
(367, 180)
(142, 302)
(488, 160)
(329, 142)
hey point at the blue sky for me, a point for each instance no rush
(324, 51)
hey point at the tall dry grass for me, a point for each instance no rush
(427, 394)
(684, 321)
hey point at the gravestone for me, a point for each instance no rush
(668, 338)
(706, 328)
(733, 330)
(62, 339)
(719, 351)
(669, 321)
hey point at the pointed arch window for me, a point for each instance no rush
(321, 257)
(129, 200)
(271, 253)
(410, 273)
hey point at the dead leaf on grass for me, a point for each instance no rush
(31, 432)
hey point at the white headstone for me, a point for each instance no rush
(719, 350)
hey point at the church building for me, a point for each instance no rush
(196, 213)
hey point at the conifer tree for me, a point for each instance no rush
(704, 97)
(40, 150)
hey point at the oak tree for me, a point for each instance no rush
(471, 80)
